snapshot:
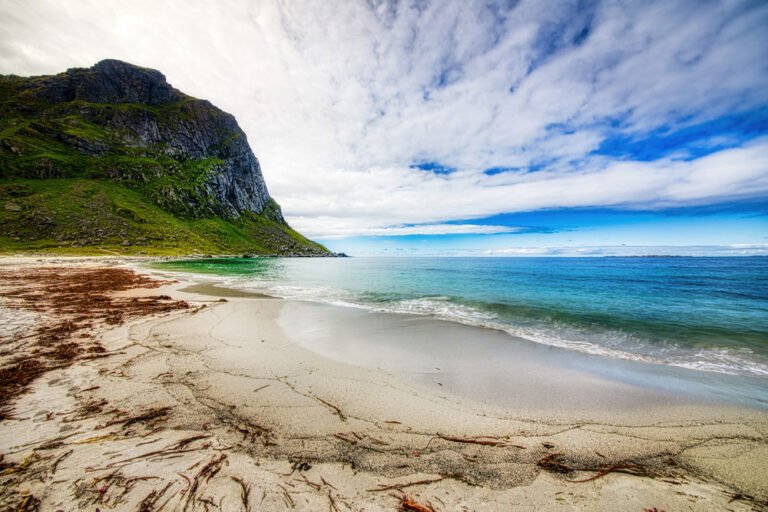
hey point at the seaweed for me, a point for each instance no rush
(74, 301)
(150, 502)
(206, 473)
(409, 505)
(148, 417)
(554, 464)
(407, 484)
(245, 493)
(109, 490)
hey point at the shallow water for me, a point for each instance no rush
(493, 367)
(707, 314)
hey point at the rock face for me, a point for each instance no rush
(134, 112)
(109, 81)
(114, 156)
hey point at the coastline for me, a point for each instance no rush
(650, 310)
(490, 366)
(229, 397)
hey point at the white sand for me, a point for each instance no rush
(269, 405)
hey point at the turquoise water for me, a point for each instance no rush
(708, 314)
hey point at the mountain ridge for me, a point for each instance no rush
(120, 124)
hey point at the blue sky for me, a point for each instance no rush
(460, 127)
(718, 231)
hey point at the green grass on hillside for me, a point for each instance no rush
(47, 148)
(77, 177)
(94, 216)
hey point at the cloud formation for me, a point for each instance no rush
(619, 251)
(350, 104)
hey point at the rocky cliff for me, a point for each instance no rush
(121, 130)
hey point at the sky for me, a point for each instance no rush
(494, 128)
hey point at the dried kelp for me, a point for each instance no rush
(72, 302)
(555, 463)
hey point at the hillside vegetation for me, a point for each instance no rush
(113, 159)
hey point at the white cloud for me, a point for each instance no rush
(344, 229)
(410, 197)
(339, 98)
(629, 250)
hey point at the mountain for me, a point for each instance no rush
(113, 158)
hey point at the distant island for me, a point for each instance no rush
(651, 256)
(114, 159)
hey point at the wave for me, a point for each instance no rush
(537, 328)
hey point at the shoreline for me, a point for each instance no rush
(606, 337)
(668, 380)
(488, 365)
(282, 415)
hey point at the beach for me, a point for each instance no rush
(212, 398)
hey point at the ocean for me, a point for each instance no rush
(707, 314)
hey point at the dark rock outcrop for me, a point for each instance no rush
(114, 155)
(140, 115)
(109, 81)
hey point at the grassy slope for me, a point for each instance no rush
(127, 199)
(81, 216)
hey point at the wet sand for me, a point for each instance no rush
(261, 404)
(498, 369)
(214, 290)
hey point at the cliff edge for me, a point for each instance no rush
(114, 156)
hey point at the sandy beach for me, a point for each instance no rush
(198, 397)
